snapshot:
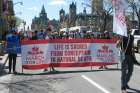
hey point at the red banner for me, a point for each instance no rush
(68, 53)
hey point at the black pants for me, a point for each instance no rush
(12, 62)
(127, 70)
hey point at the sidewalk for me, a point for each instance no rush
(3, 61)
(5, 78)
(4, 83)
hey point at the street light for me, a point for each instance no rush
(24, 23)
(21, 3)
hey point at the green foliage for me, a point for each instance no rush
(18, 21)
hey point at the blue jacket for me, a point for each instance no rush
(12, 43)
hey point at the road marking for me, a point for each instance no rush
(95, 84)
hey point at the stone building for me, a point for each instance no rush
(11, 15)
(7, 17)
(73, 19)
(54, 25)
(40, 22)
(72, 14)
(97, 6)
(94, 20)
(1, 18)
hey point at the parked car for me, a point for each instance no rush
(136, 34)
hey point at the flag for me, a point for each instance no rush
(119, 19)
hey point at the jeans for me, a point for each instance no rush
(126, 70)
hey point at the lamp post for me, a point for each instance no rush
(24, 23)
(21, 3)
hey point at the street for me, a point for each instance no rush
(73, 38)
(68, 80)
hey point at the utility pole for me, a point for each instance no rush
(24, 23)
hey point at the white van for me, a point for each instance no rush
(136, 34)
(81, 29)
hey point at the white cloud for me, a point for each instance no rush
(57, 2)
(33, 9)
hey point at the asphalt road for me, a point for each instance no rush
(69, 80)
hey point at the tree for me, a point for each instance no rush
(105, 17)
(18, 21)
(135, 5)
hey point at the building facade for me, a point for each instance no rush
(11, 15)
(97, 6)
(72, 14)
(95, 20)
(82, 19)
(1, 18)
(7, 17)
(68, 20)
(40, 22)
(54, 25)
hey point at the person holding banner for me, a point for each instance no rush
(121, 27)
(127, 63)
(12, 39)
(105, 36)
(34, 37)
(49, 36)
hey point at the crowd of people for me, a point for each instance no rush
(49, 34)
(13, 37)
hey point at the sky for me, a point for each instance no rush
(32, 8)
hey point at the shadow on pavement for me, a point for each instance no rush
(135, 90)
(33, 84)
(2, 71)
(67, 72)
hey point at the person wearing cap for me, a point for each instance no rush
(49, 36)
(12, 40)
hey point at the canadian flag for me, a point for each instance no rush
(119, 19)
